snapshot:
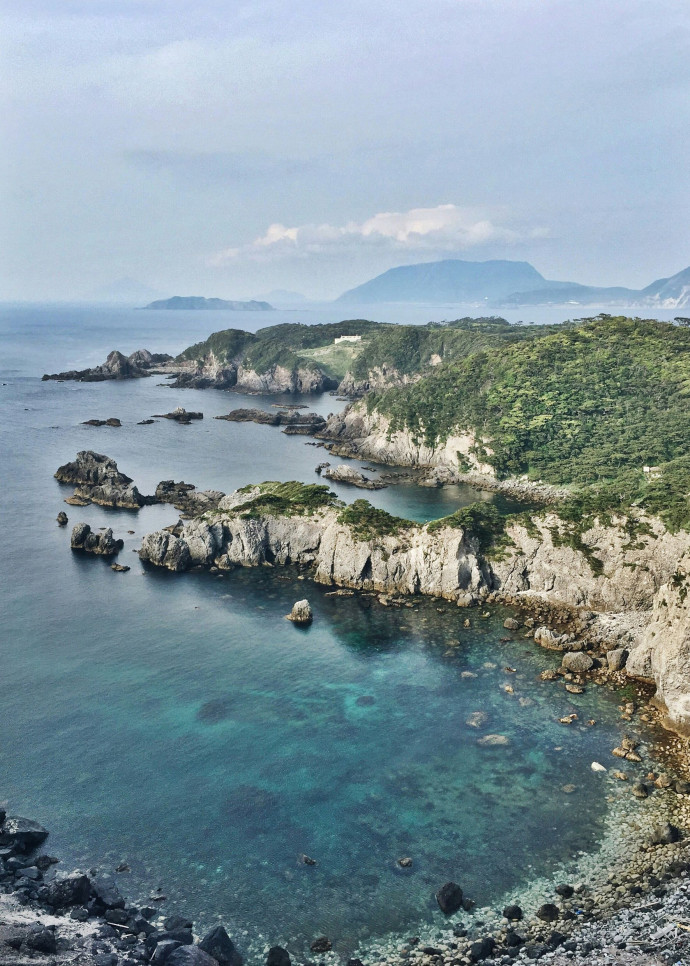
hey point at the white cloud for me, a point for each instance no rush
(439, 230)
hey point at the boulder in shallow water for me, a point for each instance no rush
(301, 613)
(21, 833)
(220, 946)
(449, 898)
(277, 956)
(513, 913)
(577, 662)
(72, 890)
(62, 518)
(321, 945)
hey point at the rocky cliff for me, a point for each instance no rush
(214, 373)
(624, 582)
(357, 432)
(98, 480)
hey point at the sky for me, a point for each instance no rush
(228, 149)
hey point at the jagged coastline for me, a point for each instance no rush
(620, 592)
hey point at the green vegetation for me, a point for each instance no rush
(334, 360)
(276, 345)
(286, 499)
(481, 521)
(409, 349)
(583, 404)
(367, 522)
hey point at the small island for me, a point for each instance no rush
(197, 302)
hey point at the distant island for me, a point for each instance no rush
(503, 283)
(196, 302)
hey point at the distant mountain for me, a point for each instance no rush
(452, 280)
(508, 284)
(673, 292)
(199, 302)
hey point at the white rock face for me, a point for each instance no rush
(369, 435)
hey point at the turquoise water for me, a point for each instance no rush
(181, 725)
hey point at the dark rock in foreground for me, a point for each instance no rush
(218, 944)
(21, 834)
(449, 898)
(116, 366)
(83, 538)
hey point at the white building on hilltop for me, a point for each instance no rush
(347, 338)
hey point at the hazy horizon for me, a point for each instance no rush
(292, 146)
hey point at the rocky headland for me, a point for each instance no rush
(117, 366)
(211, 372)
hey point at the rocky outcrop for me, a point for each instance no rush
(348, 474)
(306, 423)
(180, 415)
(210, 372)
(98, 480)
(186, 498)
(84, 538)
(376, 379)
(118, 366)
(301, 613)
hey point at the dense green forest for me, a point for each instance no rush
(588, 405)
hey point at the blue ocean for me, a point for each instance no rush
(179, 725)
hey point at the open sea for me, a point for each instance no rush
(178, 724)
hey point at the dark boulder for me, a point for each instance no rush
(665, 834)
(218, 944)
(190, 956)
(548, 912)
(21, 834)
(62, 518)
(73, 890)
(106, 892)
(566, 891)
(449, 898)
(482, 949)
(163, 950)
(177, 922)
(277, 956)
(321, 945)
(514, 913)
(41, 941)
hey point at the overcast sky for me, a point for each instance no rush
(226, 149)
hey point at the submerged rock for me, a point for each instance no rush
(301, 613)
(321, 945)
(83, 538)
(449, 898)
(513, 913)
(111, 421)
